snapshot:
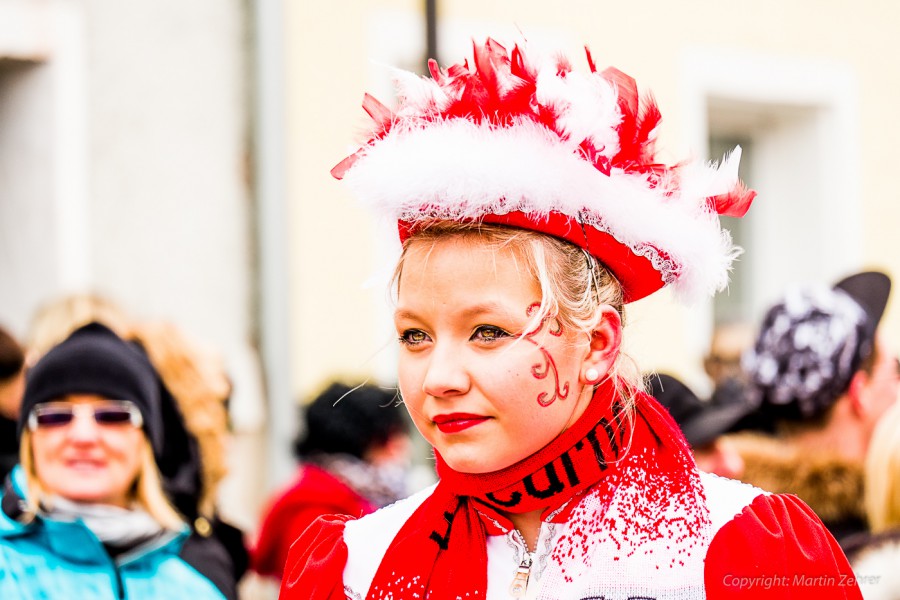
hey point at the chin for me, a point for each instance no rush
(91, 496)
(78, 496)
(463, 464)
(470, 464)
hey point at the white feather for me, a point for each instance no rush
(458, 169)
(704, 181)
(416, 93)
(586, 105)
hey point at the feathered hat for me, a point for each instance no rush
(542, 147)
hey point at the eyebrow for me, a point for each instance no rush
(468, 312)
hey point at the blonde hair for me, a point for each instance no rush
(55, 320)
(147, 489)
(882, 473)
(574, 285)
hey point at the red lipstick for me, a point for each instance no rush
(456, 422)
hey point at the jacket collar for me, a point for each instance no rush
(71, 540)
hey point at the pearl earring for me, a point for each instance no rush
(592, 375)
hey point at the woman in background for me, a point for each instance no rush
(194, 390)
(84, 515)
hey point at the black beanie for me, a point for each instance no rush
(94, 360)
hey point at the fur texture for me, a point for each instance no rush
(508, 136)
(200, 386)
(830, 485)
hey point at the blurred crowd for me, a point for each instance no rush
(113, 433)
(806, 404)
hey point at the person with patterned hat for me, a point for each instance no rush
(822, 375)
(532, 208)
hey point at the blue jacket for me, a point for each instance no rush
(61, 560)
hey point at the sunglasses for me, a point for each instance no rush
(109, 414)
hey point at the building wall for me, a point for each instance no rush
(124, 169)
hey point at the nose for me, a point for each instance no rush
(446, 374)
(83, 428)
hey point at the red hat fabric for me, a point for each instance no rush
(529, 142)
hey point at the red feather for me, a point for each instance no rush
(499, 88)
(735, 203)
(590, 60)
(380, 113)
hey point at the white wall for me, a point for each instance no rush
(125, 168)
(28, 248)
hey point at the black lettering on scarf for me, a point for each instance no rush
(443, 541)
(618, 411)
(611, 434)
(598, 451)
(514, 499)
(554, 485)
(569, 467)
(650, 428)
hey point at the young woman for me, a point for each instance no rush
(85, 514)
(531, 210)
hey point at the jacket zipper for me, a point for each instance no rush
(519, 584)
(120, 585)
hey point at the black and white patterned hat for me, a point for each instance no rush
(812, 342)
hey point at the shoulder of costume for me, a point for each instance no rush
(726, 498)
(777, 542)
(368, 538)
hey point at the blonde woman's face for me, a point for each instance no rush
(484, 383)
(85, 461)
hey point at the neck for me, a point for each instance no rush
(842, 435)
(529, 525)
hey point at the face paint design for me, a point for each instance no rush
(542, 370)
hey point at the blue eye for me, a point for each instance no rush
(489, 333)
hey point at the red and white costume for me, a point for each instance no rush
(649, 526)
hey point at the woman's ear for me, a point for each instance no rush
(606, 340)
(856, 394)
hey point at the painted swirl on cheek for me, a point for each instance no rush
(542, 370)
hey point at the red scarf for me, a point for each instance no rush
(440, 552)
